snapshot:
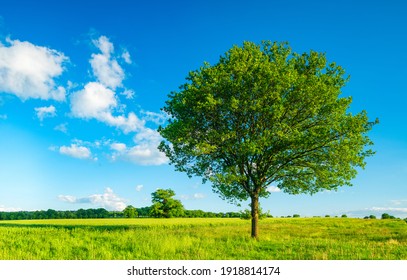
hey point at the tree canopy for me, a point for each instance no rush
(266, 115)
(164, 205)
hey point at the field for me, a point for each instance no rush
(200, 238)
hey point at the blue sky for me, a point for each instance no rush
(82, 84)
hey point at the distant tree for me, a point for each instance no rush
(372, 217)
(385, 216)
(164, 205)
(51, 214)
(101, 213)
(130, 212)
(296, 216)
(264, 115)
(143, 211)
(344, 216)
(327, 216)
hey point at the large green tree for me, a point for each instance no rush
(164, 205)
(265, 115)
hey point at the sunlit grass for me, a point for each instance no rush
(212, 238)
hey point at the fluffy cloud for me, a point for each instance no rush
(157, 118)
(126, 57)
(105, 68)
(139, 188)
(97, 101)
(119, 147)
(144, 152)
(273, 189)
(45, 112)
(28, 71)
(76, 151)
(63, 127)
(108, 200)
(94, 101)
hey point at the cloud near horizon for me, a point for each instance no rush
(108, 200)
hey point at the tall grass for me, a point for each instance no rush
(125, 239)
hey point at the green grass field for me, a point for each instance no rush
(200, 238)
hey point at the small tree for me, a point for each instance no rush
(164, 205)
(130, 212)
(264, 115)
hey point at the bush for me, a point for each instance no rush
(344, 216)
(296, 216)
(247, 214)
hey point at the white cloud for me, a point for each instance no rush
(157, 118)
(108, 200)
(399, 202)
(67, 198)
(126, 57)
(389, 209)
(63, 127)
(97, 101)
(127, 124)
(273, 189)
(128, 93)
(139, 188)
(76, 151)
(119, 147)
(28, 71)
(9, 209)
(94, 101)
(193, 196)
(45, 112)
(144, 152)
(106, 69)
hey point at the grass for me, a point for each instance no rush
(195, 239)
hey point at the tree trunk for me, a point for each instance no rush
(255, 216)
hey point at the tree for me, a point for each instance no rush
(130, 212)
(265, 115)
(164, 205)
(387, 216)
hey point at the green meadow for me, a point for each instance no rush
(203, 239)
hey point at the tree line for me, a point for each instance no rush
(164, 206)
(101, 213)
